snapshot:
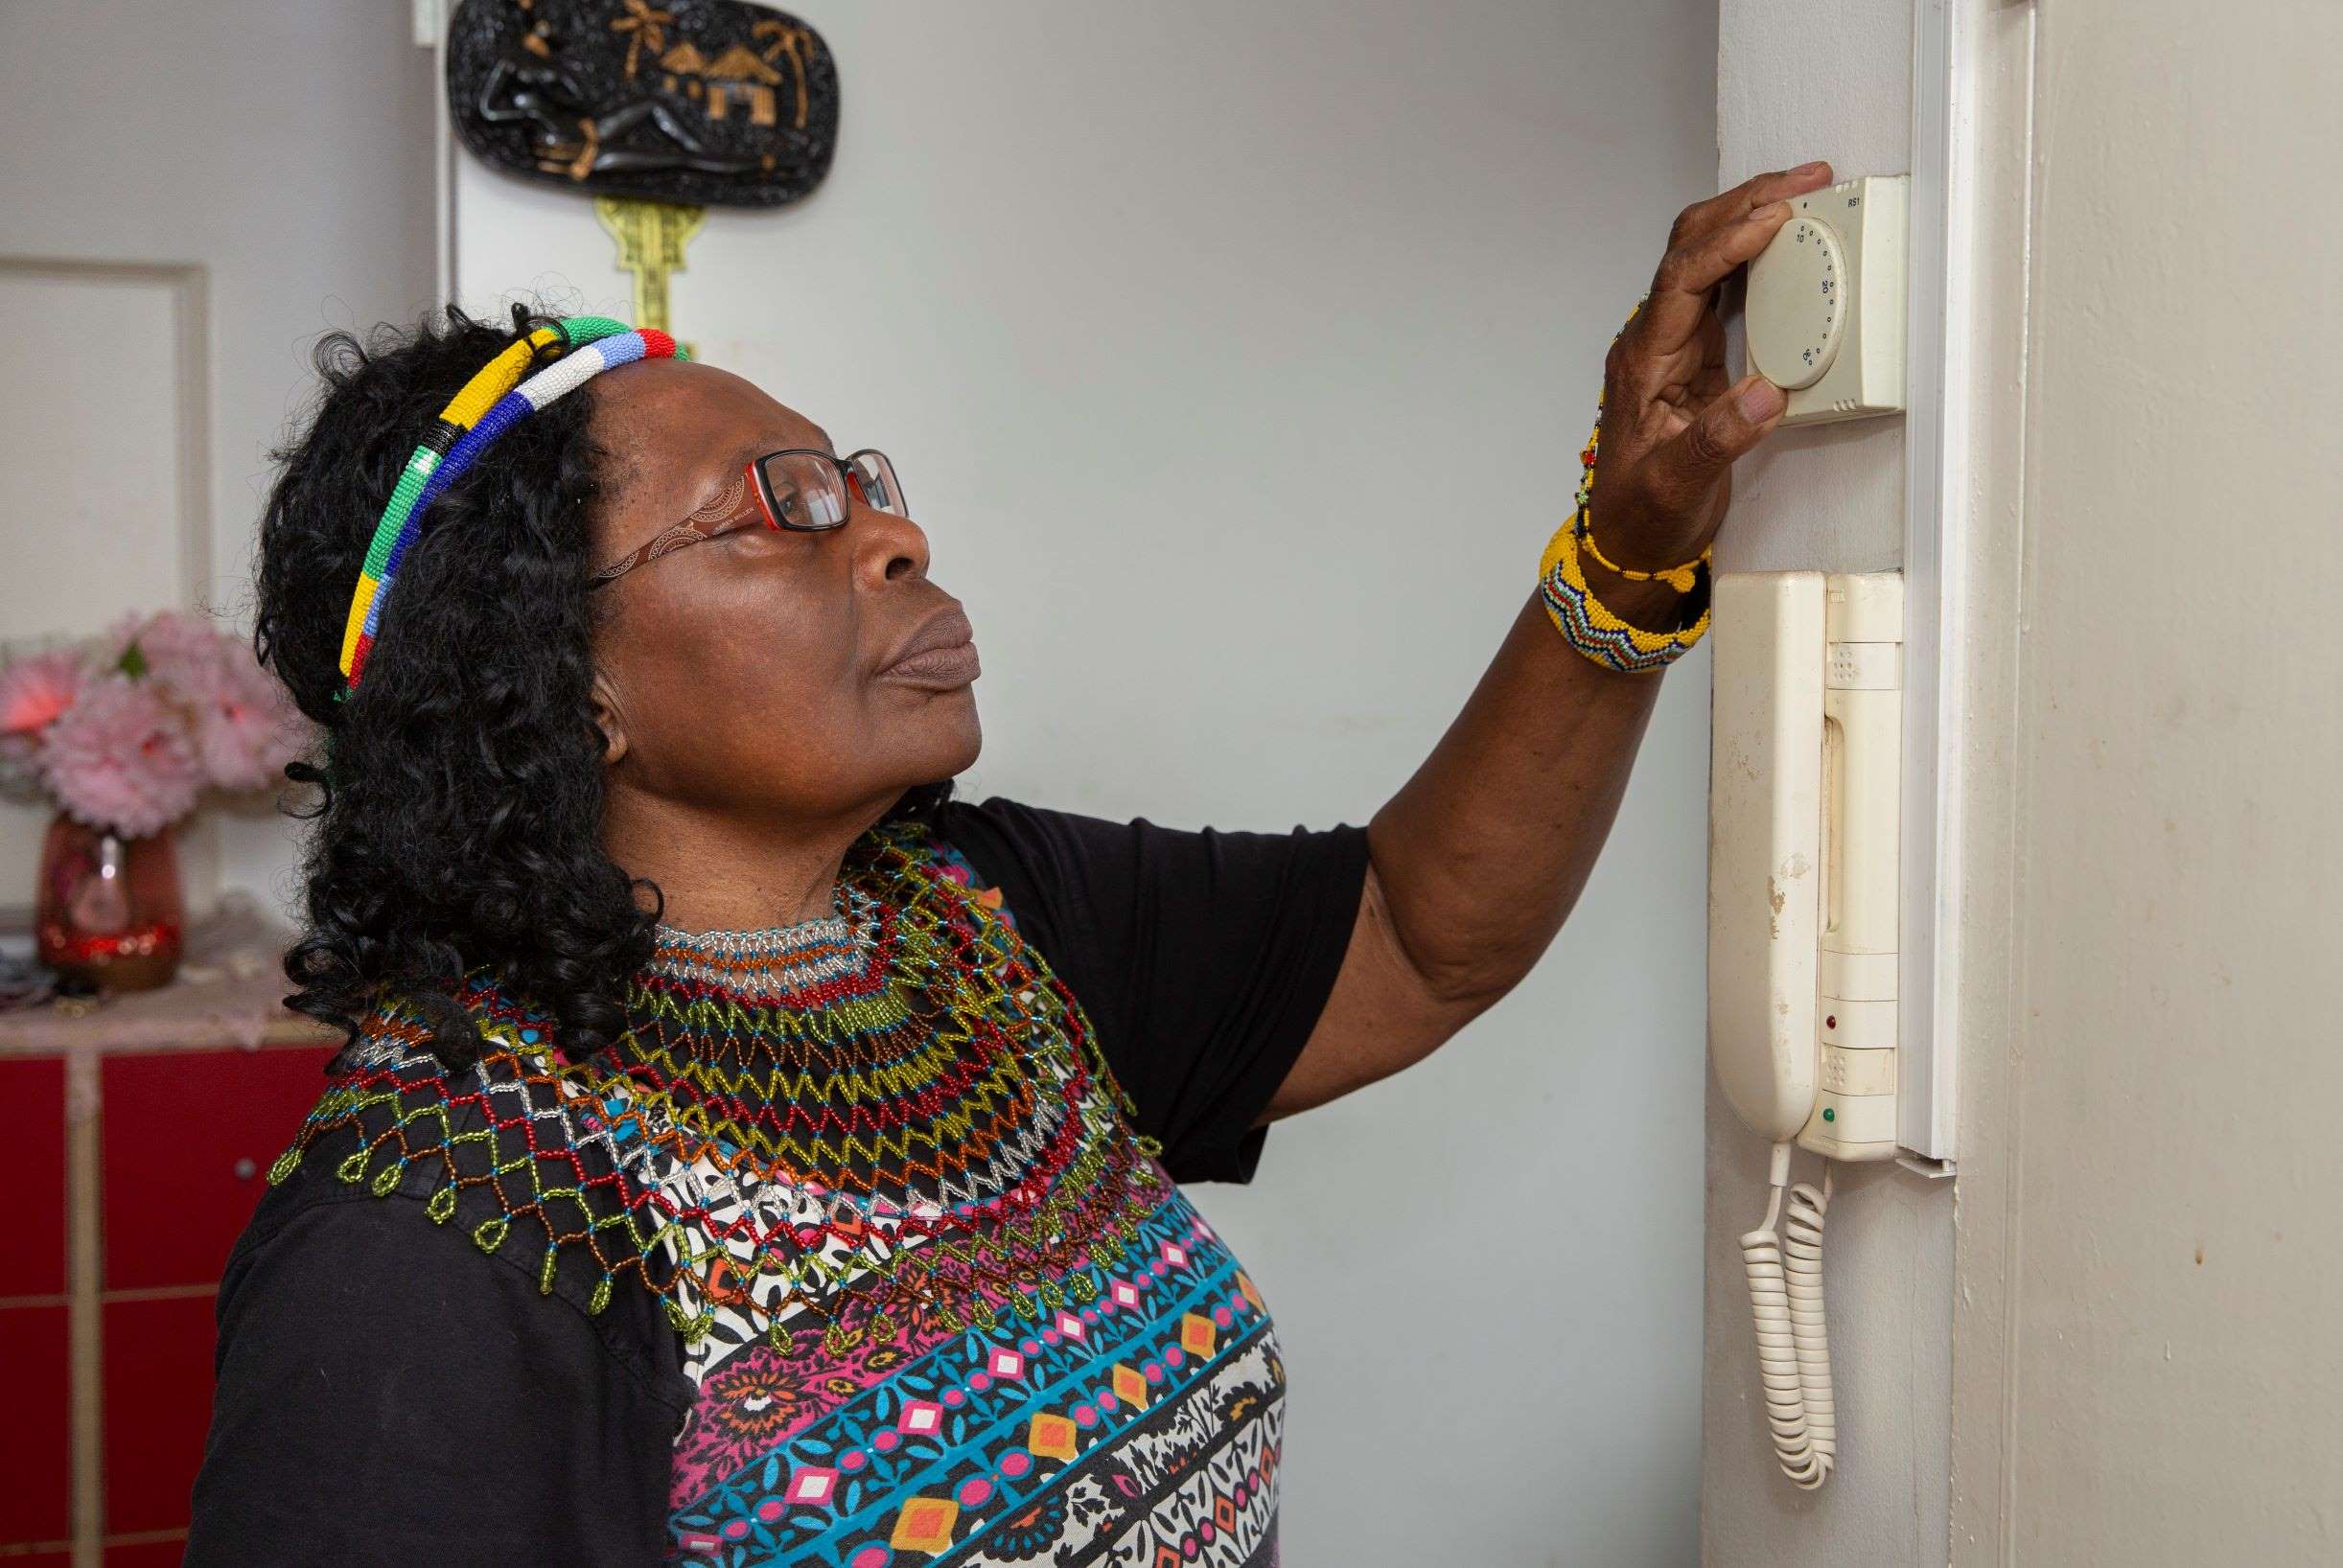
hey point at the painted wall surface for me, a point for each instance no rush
(1800, 79)
(1236, 359)
(284, 148)
(2147, 1322)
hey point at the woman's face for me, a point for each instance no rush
(750, 675)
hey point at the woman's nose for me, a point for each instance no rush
(891, 545)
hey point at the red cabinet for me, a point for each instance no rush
(168, 1553)
(156, 1405)
(185, 1142)
(140, 1163)
(180, 1177)
(35, 1438)
(32, 1093)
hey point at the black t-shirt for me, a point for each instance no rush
(389, 1393)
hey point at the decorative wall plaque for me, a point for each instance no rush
(689, 101)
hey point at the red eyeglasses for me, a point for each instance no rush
(802, 489)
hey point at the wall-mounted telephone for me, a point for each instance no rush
(1805, 801)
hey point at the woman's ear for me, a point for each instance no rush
(610, 718)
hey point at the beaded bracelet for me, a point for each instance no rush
(1587, 624)
(1594, 629)
(493, 402)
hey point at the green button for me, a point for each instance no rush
(1829, 1114)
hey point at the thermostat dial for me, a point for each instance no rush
(1797, 304)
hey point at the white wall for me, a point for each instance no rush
(285, 149)
(2150, 1264)
(1800, 79)
(1237, 359)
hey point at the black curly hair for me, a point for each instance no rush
(458, 823)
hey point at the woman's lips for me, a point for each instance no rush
(941, 668)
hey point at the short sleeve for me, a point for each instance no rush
(388, 1393)
(1202, 957)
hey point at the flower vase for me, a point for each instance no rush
(109, 909)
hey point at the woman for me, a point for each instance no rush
(746, 1151)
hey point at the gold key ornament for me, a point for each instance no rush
(650, 237)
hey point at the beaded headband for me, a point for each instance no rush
(491, 403)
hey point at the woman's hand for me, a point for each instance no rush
(1671, 425)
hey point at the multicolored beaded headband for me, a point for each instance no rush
(491, 403)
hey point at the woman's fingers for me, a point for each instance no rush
(1755, 192)
(1710, 377)
(1697, 374)
(1710, 238)
(1681, 472)
(1684, 288)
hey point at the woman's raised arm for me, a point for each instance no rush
(1478, 858)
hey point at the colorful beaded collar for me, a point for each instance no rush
(779, 1164)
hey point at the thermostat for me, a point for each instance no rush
(1825, 305)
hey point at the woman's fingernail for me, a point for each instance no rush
(1809, 168)
(1760, 401)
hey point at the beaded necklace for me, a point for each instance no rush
(775, 960)
(894, 1115)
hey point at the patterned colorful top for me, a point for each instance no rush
(936, 1299)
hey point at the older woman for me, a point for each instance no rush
(746, 1152)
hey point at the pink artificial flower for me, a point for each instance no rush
(177, 646)
(120, 759)
(34, 690)
(246, 726)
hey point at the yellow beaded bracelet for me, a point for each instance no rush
(1595, 630)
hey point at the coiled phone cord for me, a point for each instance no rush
(1793, 1350)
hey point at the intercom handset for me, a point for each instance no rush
(1802, 888)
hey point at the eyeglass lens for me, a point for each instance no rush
(808, 491)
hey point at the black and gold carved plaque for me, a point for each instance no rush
(684, 101)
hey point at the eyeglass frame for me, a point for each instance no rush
(725, 513)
